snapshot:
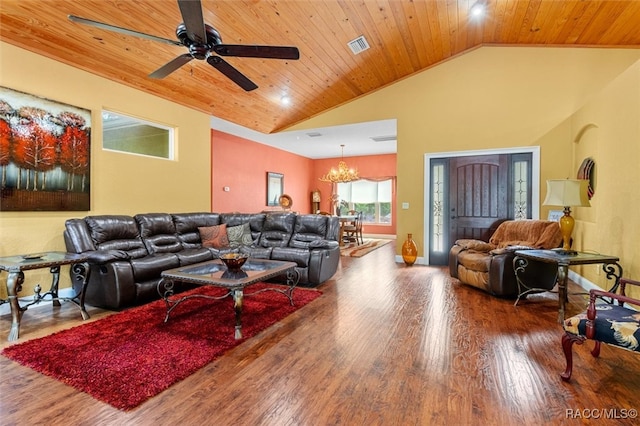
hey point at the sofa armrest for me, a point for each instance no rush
(453, 260)
(323, 264)
(502, 278)
(477, 245)
(509, 249)
(323, 244)
(101, 257)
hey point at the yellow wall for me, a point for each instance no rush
(611, 137)
(495, 97)
(120, 183)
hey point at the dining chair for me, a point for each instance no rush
(353, 231)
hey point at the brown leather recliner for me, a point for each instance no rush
(489, 265)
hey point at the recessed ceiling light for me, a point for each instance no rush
(285, 100)
(477, 10)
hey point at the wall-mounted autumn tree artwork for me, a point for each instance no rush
(44, 154)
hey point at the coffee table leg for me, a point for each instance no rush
(237, 305)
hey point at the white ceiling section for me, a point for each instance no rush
(358, 138)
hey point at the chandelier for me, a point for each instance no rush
(342, 174)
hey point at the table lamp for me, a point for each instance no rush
(567, 193)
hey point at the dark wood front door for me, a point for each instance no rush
(478, 196)
(479, 193)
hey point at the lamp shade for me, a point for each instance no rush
(567, 192)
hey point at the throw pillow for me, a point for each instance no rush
(214, 236)
(240, 235)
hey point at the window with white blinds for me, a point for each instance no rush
(371, 198)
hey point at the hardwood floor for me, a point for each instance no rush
(385, 345)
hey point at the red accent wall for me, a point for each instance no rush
(242, 165)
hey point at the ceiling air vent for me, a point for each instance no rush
(358, 45)
(384, 138)
(314, 134)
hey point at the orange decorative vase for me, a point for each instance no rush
(409, 251)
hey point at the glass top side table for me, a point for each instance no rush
(610, 266)
(15, 267)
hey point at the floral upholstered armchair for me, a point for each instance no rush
(610, 323)
(488, 265)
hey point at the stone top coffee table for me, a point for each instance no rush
(215, 273)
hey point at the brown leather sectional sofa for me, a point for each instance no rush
(128, 253)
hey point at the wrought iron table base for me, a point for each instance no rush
(166, 285)
(15, 279)
(610, 266)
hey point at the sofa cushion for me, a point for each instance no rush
(308, 229)
(214, 236)
(187, 225)
(289, 254)
(257, 252)
(475, 261)
(158, 233)
(255, 221)
(277, 230)
(150, 267)
(476, 245)
(473, 278)
(116, 232)
(239, 235)
(195, 255)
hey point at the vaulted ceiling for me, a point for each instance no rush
(405, 37)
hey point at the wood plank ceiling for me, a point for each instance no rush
(405, 37)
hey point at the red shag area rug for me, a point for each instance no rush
(129, 357)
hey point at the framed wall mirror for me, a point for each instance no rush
(275, 188)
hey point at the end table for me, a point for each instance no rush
(610, 266)
(15, 265)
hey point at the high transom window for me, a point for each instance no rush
(135, 136)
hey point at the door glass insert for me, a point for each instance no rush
(437, 197)
(520, 189)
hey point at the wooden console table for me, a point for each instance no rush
(610, 266)
(15, 265)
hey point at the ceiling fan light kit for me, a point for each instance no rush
(204, 43)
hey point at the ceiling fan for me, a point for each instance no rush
(204, 43)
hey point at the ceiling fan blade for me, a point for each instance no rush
(248, 51)
(192, 18)
(170, 67)
(227, 69)
(125, 31)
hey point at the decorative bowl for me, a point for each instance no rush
(234, 261)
